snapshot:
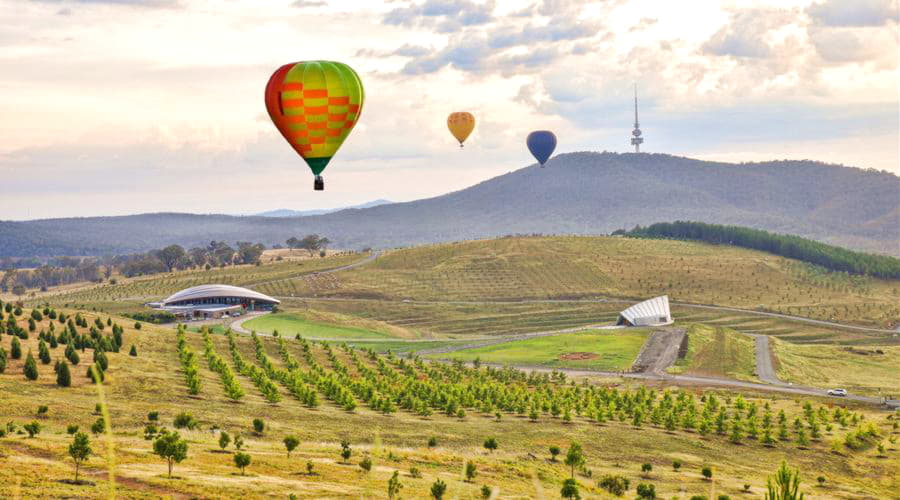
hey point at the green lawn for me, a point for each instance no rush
(399, 346)
(290, 324)
(715, 351)
(601, 350)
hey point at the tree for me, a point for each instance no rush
(33, 428)
(2, 360)
(30, 369)
(133, 351)
(570, 489)
(80, 450)
(432, 442)
(44, 352)
(258, 425)
(574, 457)
(224, 440)
(438, 489)
(290, 442)
(554, 451)
(249, 253)
(471, 471)
(171, 255)
(346, 452)
(490, 444)
(98, 426)
(241, 460)
(15, 349)
(646, 491)
(310, 243)
(394, 486)
(707, 472)
(238, 441)
(366, 464)
(171, 447)
(63, 375)
(785, 486)
(676, 465)
(292, 243)
(646, 469)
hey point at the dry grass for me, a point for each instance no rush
(520, 468)
(718, 352)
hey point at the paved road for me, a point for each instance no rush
(764, 369)
(659, 351)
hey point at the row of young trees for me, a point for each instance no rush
(828, 256)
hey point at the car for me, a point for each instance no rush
(837, 392)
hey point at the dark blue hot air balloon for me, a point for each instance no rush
(541, 143)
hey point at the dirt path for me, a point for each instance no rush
(87, 471)
(659, 351)
(764, 369)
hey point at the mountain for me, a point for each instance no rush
(577, 193)
(285, 212)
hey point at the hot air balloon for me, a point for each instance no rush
(541, 143)
(461, 125)
(315, 104)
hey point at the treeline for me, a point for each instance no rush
(828, 256)
(18, 280)
(175, 257)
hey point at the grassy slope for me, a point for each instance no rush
(153, 381)
(292, 324)
(836, 366)
(614, 351)
(718, 352)
(577, 267)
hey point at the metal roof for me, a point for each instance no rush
(654, 311)
(213, 291)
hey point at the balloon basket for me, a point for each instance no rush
(319, 183)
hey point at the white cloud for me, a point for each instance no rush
(854, 12)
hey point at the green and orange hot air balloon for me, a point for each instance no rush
(315, 104)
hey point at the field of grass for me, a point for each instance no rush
(594, 350)
(129, 294)
(519, 468)
(718, 352)
(295, 324)
(585, 267)
(859, 369)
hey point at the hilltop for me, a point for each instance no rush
(577, 193)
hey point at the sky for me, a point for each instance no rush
(113, 107)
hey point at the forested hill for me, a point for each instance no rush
(580, 193)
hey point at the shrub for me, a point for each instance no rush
(438, 489)
(42, 410)
(570, 489)
(2, 360)
(224, 440)
(646, 468)
(137, 325)
(554, 451)
(258, 425)
(346, 452)
(153, 416)
(490, 444)
(617, 485)
(645, 490)
(394, 486)
(415, 472)
(471, 471)
(821, 480)
(133, 351)
(71, 429)
(676, 465)
(485, 492)
(242, 460)
(98, 426)
(432, 442)
(33, 428)
(310, 469)
(707, 472)
(366, 464)
(185, 420)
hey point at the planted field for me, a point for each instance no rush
(864, 369)
(718, 352)
(386, 408)
(583, 267)
(592, 350)
(294, 324)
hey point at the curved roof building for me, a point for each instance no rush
(652, 312)
(217, 294)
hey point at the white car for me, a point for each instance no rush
(837, 392)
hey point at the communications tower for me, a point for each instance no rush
(636, 139)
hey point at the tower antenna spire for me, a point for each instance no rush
(636, 138)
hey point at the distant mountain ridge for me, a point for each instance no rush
(286, 212)
(577, 193)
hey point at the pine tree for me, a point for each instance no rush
(63, 376)
(133, 351)
(15, 349)
(44, 352)
(30, 369)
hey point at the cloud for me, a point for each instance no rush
(302, 4)
(136, 3)
(853, 12)
(446, 15)
(745, 34)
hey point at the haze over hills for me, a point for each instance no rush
(286, 212)
(577, 193)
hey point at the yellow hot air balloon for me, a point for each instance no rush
(461, 124)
